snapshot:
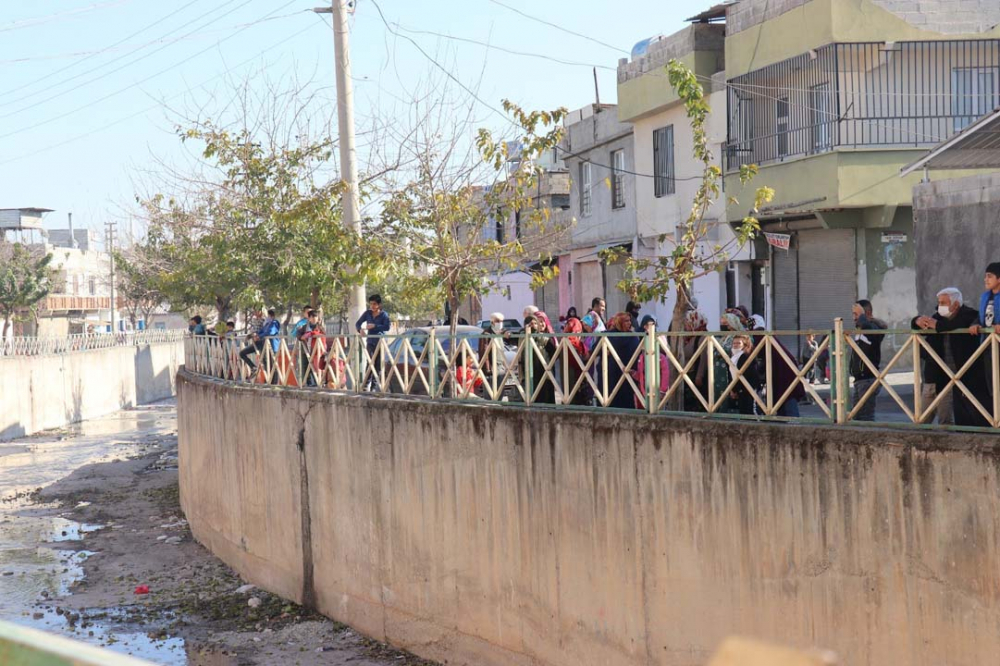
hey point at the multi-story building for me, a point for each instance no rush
(832, 99)
(666, 174)
(599, 153)
(80, 297)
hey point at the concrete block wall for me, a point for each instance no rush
(50, 391)
(475, 534)
(696, 37)
(956, 235)
(942, 16)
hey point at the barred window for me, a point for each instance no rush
(781, 119)
(617, 179)
(586, 183)
(663, 161)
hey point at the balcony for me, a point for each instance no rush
(850, 96)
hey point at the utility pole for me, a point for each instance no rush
(345, 124)
(109, 246)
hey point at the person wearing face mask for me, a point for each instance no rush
(955, 350)
(741, 395)
(496, 335)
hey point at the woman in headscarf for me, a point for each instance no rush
(544, 348)
(573, 328)
(647, 324)
(696, 322)
(625, 347)
(741, 395)
(730, 322)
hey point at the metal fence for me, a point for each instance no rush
(658, 373)
(39, 346)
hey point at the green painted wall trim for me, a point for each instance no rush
(823, 22)
(853, 179)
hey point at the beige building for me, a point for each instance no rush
(667, 176)
(832, 99)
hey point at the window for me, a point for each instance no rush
(76, 285)
(822, 117)
(745, 146)
(499, 226)
(973, 94)
(781, 121)
(586, 183)
(517, 224)
(617, 179)
(663, 161)
(93, 287)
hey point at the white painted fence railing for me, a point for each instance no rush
(37, 346)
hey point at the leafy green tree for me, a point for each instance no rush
(25, 279)
(266, 230)
(693, 255)
(441, 222)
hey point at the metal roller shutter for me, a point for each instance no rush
(786, 292)
(828, 276)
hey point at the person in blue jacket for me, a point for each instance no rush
(989, 317)
(989, 302)
(375, 322)
(269, 330)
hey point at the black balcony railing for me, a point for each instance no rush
(879, 94)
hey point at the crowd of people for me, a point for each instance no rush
(740, 383)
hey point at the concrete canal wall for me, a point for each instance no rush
(53, 390)
(488, 535)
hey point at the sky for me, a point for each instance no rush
(91, 91)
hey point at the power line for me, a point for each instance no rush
(559, 27)
(196, 35)
(118, 43)
(113, 60)
(153, 107)
(30, 23)
(130, 86)
(497, 111)
(503, 49)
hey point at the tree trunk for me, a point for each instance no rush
(6, 325)
(678, 316)
(222, 305)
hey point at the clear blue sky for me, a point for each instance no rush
(55, 104)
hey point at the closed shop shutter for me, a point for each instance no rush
(828, 282)
(615, 299)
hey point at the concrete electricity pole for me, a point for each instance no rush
(345, 124)
(109, 242)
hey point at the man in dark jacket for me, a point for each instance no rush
(955, 350)
(375, 322)
(870, 345)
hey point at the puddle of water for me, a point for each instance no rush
(33, 575)
(42, 459)
(103, 631)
